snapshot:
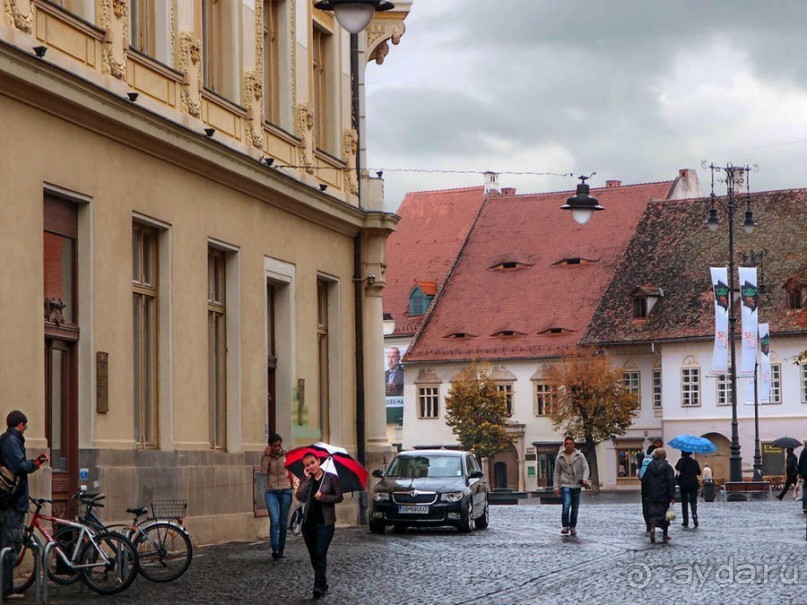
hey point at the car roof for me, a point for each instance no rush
(456, 453)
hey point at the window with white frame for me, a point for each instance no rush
(723, 389)
(776, 384)
(217, 347)
(544, 399)
(145, 280)
(803, 383)
(657, 400)
(631, 381)
(690, 386)
(507, 389)
(428, 402)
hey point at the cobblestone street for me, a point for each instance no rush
(750, 552)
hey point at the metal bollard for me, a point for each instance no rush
(40, 577)
(3, 554)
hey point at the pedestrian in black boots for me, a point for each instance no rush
(791, 470)
(688, 472)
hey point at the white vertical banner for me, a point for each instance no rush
(749, 301)
(720, 355)
(764, 378)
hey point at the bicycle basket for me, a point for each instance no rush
(169, 509)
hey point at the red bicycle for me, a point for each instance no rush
(105, 561)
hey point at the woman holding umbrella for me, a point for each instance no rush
(320, 492)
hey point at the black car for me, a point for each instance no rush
(430, 488)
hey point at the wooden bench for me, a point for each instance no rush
(748, 487)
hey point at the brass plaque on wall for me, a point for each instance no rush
(101, 382)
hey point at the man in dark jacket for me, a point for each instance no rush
(659, 485)
(12, 519)
(791, 472)
(803, 475)
(688, 472)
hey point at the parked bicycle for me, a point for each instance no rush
(104, 560)
(163, 545)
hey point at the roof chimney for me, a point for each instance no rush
(508, 190)
(611, 184)
(491, 182)
(686, 186)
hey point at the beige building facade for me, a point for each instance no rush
(186, 246)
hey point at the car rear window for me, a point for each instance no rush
(425, 466)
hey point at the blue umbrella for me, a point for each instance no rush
(691, 443)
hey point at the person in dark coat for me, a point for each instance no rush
(659, 485)
(12, 518)
(688, 472)
(320, 492)
(791, 472)
(648, 458)
(803, 475)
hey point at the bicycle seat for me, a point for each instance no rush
(93, 497)
(138, 511)
(41, 500)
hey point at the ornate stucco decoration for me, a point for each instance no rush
(189, 65)
(304, 129)
(378, 35)
(115, 23)
(350, 145)
(253, 100)
(20, 14)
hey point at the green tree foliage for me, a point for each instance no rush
(592, 404)
(477, 412)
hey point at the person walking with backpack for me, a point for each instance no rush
(791, 471)
(12, 516)
(688, 472)
(279, 481)
(571, 473)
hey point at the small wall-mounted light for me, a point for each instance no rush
(133, 96)
(268, 161)
(40, 51)
(323, 186)
(370, 279)
(379, 173)
(210, 132)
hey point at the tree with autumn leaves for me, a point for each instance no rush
(477, 411)
(591, 402)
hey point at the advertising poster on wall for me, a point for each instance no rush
(394, 383)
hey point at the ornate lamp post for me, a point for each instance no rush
(735, 176)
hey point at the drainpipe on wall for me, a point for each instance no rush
(361, 453)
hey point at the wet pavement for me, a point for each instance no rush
(743, 552)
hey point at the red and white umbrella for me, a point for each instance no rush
(334, 460)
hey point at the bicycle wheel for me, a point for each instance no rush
(25, 566)
(59, 571)
(164, 551)
(109, 565)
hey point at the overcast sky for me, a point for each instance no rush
(631, 89)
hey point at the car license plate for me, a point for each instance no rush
(413, 510)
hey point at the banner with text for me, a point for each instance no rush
(764, 363)
(720, 356)
(749, 301)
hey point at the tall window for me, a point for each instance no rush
(776, 383)
(144, 26)
(428, 402)
(724, 389)
(544, 399)
(690, 387)
(322, 350)
(507, 389)
(803, 383)
(274, 42)
(321, 59)
(60, 259)
(657, 400)
(221, 56)
(217, 347)
(145, 263)
(630, 378)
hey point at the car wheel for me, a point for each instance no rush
(482, 521)
(399, 528)
(377, 527)
(467, 522)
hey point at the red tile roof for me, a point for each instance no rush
(432, 229)
(673, 250)
(542, 305)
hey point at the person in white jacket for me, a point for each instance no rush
(571, 473)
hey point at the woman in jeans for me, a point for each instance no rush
(278, 493)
